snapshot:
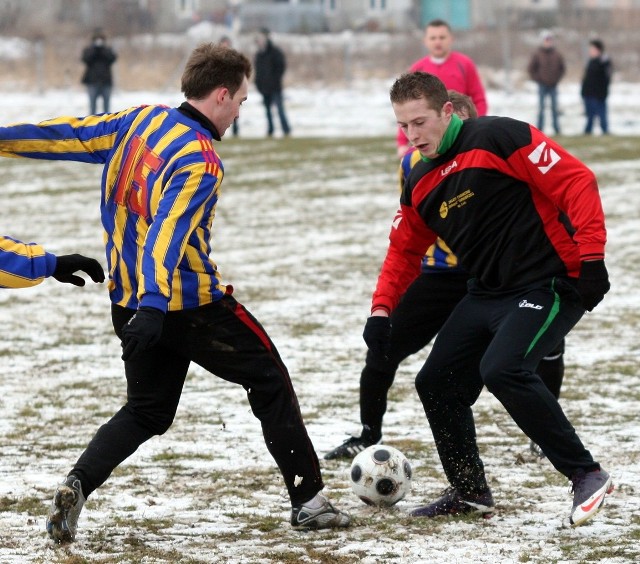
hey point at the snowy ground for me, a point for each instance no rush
(362, 109)
(301, 243)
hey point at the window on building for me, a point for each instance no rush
(187, 8)
(377, 5)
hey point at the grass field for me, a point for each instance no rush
(300, 232)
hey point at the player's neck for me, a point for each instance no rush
(439, 60)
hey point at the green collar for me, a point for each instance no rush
(449, 136)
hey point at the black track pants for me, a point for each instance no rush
(498, 342)
(225, 339)
(420, 315)
(422, 311)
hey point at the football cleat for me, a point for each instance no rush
(453, 502)
(536, 450)
(589, 490)
(349, 448)
(324, 517)
(62, 522)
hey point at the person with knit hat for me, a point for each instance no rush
(546, 68)
(595, 87)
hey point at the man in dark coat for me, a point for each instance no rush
(270, 65)
(98, 58)
(595, 86)
(546, 68)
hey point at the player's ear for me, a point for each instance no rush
(221, 93)
(447, 109)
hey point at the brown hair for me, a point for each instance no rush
(438, 23)
(210, 66)
(416, 85)
(462, 102)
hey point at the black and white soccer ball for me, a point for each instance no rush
(380, 475)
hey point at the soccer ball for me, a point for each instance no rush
(380, 475)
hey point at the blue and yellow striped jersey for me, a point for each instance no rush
(23, 264)
(438, 256)
(159, 191)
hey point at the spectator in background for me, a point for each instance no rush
(457, 71)
(98, 58)
(595, 86)
(547, 67)
(225, 41)
(270, 65)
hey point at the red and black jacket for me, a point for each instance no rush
(496, 197)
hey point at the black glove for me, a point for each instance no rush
(593, 283)
(377, 335)
(66, 265)
(141, 332)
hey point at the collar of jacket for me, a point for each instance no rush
(449, 136)
(189, 111)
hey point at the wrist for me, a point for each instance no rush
(51, 262)
(593, 269)
(155, 301)
(380, 312)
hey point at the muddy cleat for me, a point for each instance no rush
(324, 517)
(453, 502)
(349, 448)
(589, 490)
(67, 504)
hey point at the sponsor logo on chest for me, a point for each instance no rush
(457, 201)
(446, 170)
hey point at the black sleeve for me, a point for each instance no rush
(279, 62)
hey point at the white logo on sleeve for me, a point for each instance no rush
(397, 219)
(544, 157)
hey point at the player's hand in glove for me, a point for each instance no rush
(593, 283)
(66, 265)
(141, 332)
(377, 335)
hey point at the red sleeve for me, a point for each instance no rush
(408, 239)
(570, 185)
(475, 90)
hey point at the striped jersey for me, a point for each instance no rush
(438, 257)
(501, 197)
(23, 264)
(159, 190)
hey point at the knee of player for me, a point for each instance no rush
(427, 388)
(496, 378)
(157, 423)
(493, 380)
(381, 368)
(272, 391)
(161, 425)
